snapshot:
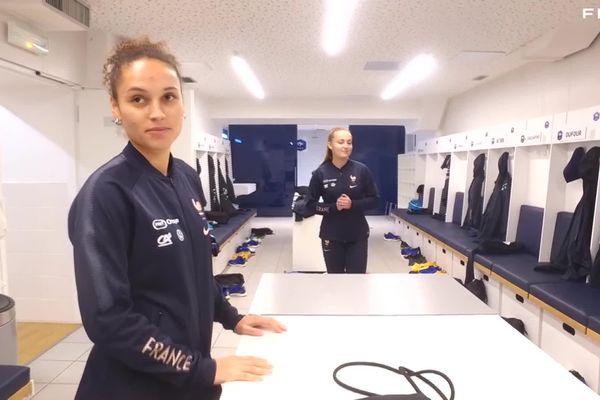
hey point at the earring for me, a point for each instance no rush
(117, 121)
(184, 115)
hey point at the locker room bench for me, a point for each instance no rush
(449, 233)
(224, 232)
(15, 382)
(231, 235)
(517, 270)
(562, 317)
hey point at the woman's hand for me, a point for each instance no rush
(343, 202)
(255, 325)
(241, 368)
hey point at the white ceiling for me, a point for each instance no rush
(281, 39)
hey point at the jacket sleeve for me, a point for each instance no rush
(314, 193)
(100, 229)
(225, 313)
(370, 198)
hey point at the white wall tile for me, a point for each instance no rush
(54, 264)
(38, 241)
(19, 194)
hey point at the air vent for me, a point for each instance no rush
(49, 15)
(188, 79)
(480, 77)
(74, 9)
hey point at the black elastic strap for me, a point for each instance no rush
(405, 372)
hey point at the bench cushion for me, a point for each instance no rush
(594, 323)
(518, 269)
(529, 228)
(458, 208)
(574, 299)
(12, 378)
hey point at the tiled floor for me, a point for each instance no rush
(57, 372)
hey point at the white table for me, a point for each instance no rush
(369, 294)
(483, 356)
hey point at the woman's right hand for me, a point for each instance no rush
(241, 368)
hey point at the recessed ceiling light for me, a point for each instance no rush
(414, 72)
(338, 16)
(247, 76)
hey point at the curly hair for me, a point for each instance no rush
(132, 49)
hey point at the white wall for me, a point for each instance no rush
(312, 157)
(37, 146)
(350, 110)
(98, 139)
(67, 58)
(534, 90)
(202, 123)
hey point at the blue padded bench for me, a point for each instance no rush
(517, 270)
(449, 233)
(12, 379)
(223, 232)
(594, 325)
(576, 300)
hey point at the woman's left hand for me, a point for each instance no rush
(255, 325)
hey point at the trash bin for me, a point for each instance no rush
(8, 331)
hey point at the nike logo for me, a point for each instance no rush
(205, 231)
(352, 187)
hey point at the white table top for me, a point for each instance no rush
(369, 294)
(484, 357)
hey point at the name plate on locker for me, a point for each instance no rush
(498, 139)
(531, 138)
(478, 141)
(593, 128)
(571, 135)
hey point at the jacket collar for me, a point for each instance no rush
(134, 156)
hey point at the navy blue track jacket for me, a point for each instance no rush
(145, 285)
(356, 181)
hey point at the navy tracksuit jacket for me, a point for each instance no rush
(145, 285)
(356, 181)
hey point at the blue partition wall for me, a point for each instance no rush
(378, 147)
(265, 155)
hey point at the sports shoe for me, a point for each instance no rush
(225, 293)
(237, 262)
(251, 243)
(237, 290)
(244, 248)
(432, 270)
(391, 236)
(422, 266)
(244, 254)
(416, 260)
(411, 252)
